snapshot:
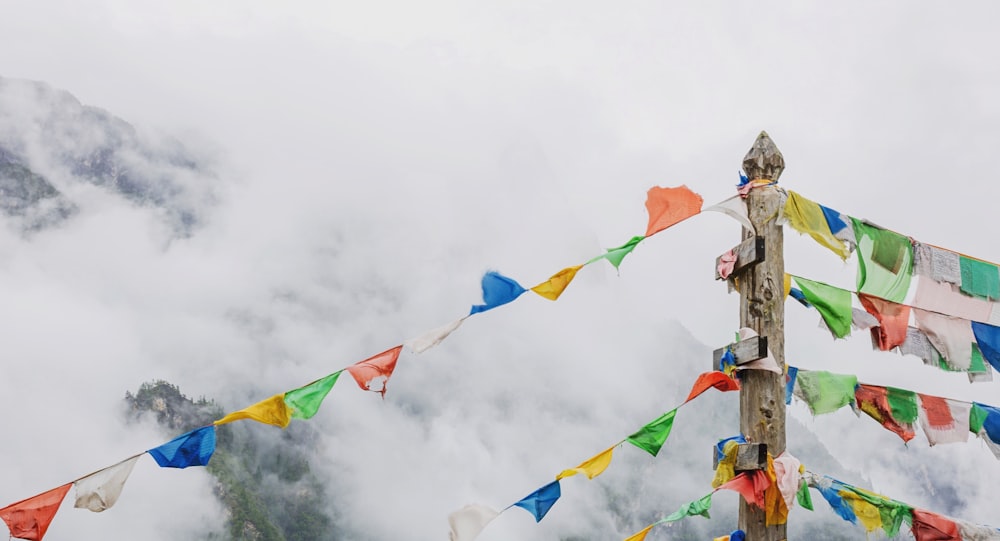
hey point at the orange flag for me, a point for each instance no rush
(715, 379)
(750, 485)
(667, 206)
(381, 365)
(29, 519)
(554, 286)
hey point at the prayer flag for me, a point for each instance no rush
(944, 420)
(866, 512)
(790, 378)
(540, 501)
(977, 532)
(498, 290)
(736, 208)
(787, 476)
(891, 513)
(29, 519)
(641, 535)
(467, 522)
(592, 467)
(100, 490)
(951, 336)
(830, 490)
(375, 367)
(434, 336)
(668, 206)
(885, 262)
(809, 218)
(889, 412)
(833, 303)
(803, 496)
(929, 526)
(988, 340)
(554, 286)
(985, 419)
(708, 380)
(699, 507)
(616, 255)
(750, 485)
(270, 411)
(193, 448)
(824, 392)
(651, 437)
(979, 278)
(893, 319)
(305, 401)
(767, 363)
(775, 510)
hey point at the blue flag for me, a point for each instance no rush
(833, 220)
(194, 448)
(793, 373)
(498, 290)
(540, 501)
(842, 508)
(988, 338)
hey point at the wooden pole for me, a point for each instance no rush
(762, 308)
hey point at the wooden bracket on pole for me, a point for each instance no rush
(748, 253)
(744, 351)
(749, 457)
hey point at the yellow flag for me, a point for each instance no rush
(591, 467)
(807, 217)
(553, 287)
(868, 514)
(641, 535)
(788, 284)
(272, 411)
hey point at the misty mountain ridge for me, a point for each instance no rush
(50, 144)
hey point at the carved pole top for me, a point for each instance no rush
(763, 161)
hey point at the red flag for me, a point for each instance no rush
(750, 485)
(380, 365)
(928, 526)
(667, 206)
(715, 379)
(29, 519)
(874, 401)
(893, 320)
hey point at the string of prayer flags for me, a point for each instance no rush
(895, 409)
(810, 218)
(30, 519)
(554, 286)
(651, 437)
(823, 391)
(893, 321)
(498, 290)
(305, 401)
(100, 490)
(433, 337)
(885, 262)
(270, 411)
(944, 420)
(929, 526)
(540, 501)
(594, 466)
(374, 368)
(833, 303)
(469, 521)
(668, 206)
(194, 448)
(616, 255)
(699, 507)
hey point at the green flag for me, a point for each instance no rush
(805, 499)
(833, 303)
(825, 392)
(885, 262)
(616, 255)
(690, 509)
(977, 417)
(902, 404)
(651, 437)
(305, 401)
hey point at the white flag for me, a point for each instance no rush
(467, 522)
(100, 490)
(735, 208)
(433, 338)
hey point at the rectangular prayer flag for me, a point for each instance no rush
(809, 218)
(833, 303)
(885, 262)
(944, 420)
(824, 392)
(979, 278)
(893, 320)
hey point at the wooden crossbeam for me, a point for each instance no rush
(744, 351)
(749, 457)
(748, 253)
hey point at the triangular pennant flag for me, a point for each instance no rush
(616, 255)
(100, 490)
(803, 497)
(372, 368)
(30, 518)
(540, 501)
(305, 401)
(708, 380)
(554, 286)
(498, 290)
(750, 485)
(193, 448)
(651, 437)
(736, 208)
(592, 467)
(433, 337)
(467, 522)
(833, 303)
(270, 411)
(698, 507)
(641, 534)
(667, 206)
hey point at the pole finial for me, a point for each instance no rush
(763, 161)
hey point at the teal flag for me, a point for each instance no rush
(690, 509)
(651, 437)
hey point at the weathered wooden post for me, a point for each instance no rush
(759, 277)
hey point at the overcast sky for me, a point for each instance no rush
(373, 159)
